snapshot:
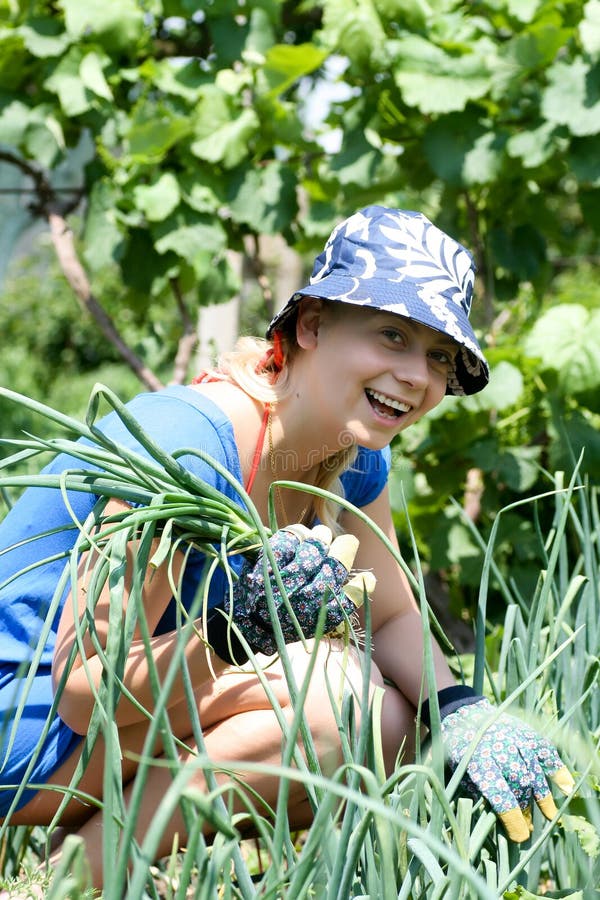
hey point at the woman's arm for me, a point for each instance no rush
(396, 620)
(77, 700)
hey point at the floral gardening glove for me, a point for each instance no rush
(510, 765)
(314, 570)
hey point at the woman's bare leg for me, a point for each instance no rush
(258, 734)
(244, 729)
(233, 692)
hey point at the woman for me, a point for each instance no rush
(374, 342)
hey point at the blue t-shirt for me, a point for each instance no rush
(32, 594)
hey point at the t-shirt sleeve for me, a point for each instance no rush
(174, 424)
(179, 419)
(367, 476)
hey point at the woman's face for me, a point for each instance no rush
(375, 373)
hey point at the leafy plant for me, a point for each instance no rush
(179, 135)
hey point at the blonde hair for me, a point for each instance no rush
(252, 368)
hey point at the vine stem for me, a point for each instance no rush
(64, 245)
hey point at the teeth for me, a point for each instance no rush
(383, 398)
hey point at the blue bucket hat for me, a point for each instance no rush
(398, 261)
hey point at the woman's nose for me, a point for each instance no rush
(413, 368)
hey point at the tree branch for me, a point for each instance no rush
(45, 193)
(47, 205)
(62, 238)
(481, 260)
(188, 340)
(257, 266)
(474, 487)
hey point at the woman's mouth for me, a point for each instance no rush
(386, 406)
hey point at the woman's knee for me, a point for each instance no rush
(335, 685)
(344, 689)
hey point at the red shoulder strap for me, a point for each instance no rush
(205, 377)
(258, 448)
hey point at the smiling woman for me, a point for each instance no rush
(373, 343)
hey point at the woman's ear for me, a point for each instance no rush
(308, 321)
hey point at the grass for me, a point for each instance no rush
(409, 837)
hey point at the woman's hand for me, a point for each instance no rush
(510, 766)
(314, 571)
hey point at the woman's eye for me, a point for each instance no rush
(393, 335)
(444, 357)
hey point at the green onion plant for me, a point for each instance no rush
(408, 836)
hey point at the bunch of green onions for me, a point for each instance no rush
(157, 486)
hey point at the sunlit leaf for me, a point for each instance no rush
(407, 11)
(526, 52)
(14, 120)
(524, 10)
(92, 75)
(174, 78)
(44, 140)
(65, 81)
(202, 191)
(261, 35)
(265, 199)
(158, 200)
(572, 97)
(435, 81)
(116, 26)
(228, 143)
(103, 237)
(533, 147)
(154, 130)
(285, 64)
(44, 37)
(566, 339)
(504, 389)
(352, 28)
(589, 28)
(194, 237)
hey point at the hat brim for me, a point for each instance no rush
(470, 372)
